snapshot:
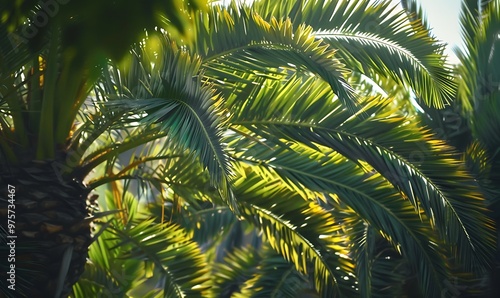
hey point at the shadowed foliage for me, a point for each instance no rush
(273, 155)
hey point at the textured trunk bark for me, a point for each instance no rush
(51, 232)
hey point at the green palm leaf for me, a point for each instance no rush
(139, 256)
(236, 268)
(478, 91)
(380, 270)
(163, 86)
(274, 277)
(374, 38)
(401, 152)
(235, 38)
(370, 196)
(316, 242)
(106, 273)
(208, 226)
(478, 76)
(179, 260)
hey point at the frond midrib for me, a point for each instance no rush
(379, 41)
(293, 230)
(283, 278)
(408, 230)
(207, 136)
(159, 264)
(255, 44)
(369, 141)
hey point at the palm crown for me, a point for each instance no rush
(266, 121)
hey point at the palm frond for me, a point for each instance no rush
(374, 38)
(479, 93)
(163, 85)
(236, 268)
(364, 254)
(105, 272)
(315, 245)
(274, 277)
(478, 77)
(179, 260)
(483, 166)
(381, 270)
(415, 13)
(375, 200)
(208, 226)
(235, 38)
(401, 152)
(141, 256)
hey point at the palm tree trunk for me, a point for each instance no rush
(52, 233)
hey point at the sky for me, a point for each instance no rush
(443, 18)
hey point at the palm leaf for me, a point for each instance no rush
(106, 273)
(166, 90)
(376, 201)
(316, 243)
(179, 260)
(105, 270)
(209, 226)
(401, 152)
(236, 268)
(235, 38)
(478, 78)
(274, 277)
(415, 13)
(374, 38)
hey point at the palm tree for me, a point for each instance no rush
(269, 114)
(295, 159)
(46, 72)
(472, 122)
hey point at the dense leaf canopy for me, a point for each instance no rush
(269, 156)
